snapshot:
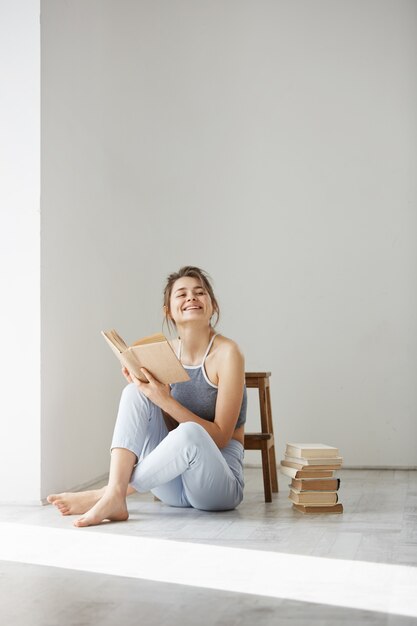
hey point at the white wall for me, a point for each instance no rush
(20, 250)
(272, 143)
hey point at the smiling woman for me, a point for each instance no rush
(190, 281)
(183, 442)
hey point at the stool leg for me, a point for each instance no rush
(267, 475)
(273, 464)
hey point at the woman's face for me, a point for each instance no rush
(190, 301)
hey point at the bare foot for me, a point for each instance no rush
(112, 507)
(76, 503)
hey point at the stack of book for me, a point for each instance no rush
(311, 467)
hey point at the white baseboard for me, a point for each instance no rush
(380, 467)
(354, 467)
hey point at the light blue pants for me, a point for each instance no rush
(182, 467)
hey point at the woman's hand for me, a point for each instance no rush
(157, 392)
(127, 375)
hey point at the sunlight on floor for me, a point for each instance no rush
(345, 583)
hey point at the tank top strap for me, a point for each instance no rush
(207, 351)
(209, 348)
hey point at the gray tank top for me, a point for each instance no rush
(199, 395)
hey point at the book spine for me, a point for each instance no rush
(315, 484)
(130, 361)
(316, 461)
(313, 499)
(336, 508)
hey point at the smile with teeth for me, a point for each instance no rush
(191, 307)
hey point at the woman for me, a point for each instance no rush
(183, 443)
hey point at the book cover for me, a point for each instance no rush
(336, 508)
(311, 450)
(154, 353)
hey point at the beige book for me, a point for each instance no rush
(335, 508)
(154, 353)
(315, 484)
(311, 450)
(335, 460)
(309, 472)
(303, 466)
(313, 498)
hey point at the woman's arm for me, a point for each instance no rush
(231, 374)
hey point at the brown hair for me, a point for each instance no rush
(193, 272)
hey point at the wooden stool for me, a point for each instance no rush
(264, 441)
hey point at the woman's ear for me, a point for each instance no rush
(166, 311)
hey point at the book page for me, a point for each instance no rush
(114, 339)
(151, 339)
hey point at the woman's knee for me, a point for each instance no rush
(191, 432)
(131, 393)
(133, 403)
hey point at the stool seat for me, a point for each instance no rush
(264, 440)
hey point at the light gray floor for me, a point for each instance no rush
(379, 525)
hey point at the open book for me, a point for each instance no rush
(154, 353)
